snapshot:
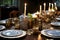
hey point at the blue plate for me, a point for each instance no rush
(55, 23)
(12, 32)
(51, 33)
(2, 21)
(2, 27)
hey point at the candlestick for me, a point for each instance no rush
(40, 9)
(44, 7)
(25, 9)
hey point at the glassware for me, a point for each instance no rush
(36, 25)
(9, 23)
(16, 23)
(35, 28)
(29, 20)
(29, 31)
(15, 20)
(17, 26)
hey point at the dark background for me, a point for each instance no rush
(33, 5)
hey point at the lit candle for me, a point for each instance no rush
(25, 9)
(40, 9)
(49, 6)
(55, 6)
(52, 6)
(44, 6)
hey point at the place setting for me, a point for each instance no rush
(2, 21)
(55, 24)
(39, 23)
(12, 34)
(54, 33)
(58, 18)
(2, 27)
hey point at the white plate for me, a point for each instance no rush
(21, 35)
(51, 33)
(2, 21)
(11, 32)
(55, 23)
(2, 27)
(58, 18)
(22, 17)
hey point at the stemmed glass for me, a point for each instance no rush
(16, 23)
(34, 28)
(9, 23)
(13, 23)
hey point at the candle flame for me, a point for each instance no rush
(25, 4)
(44, 7)
(44, 3)
(55, 4)
(40, 9)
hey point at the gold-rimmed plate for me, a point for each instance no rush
(51, 33)
(17, 34)
(11, 33)
(58, 19)
(2, 27)
(2, 21)
(55, 23)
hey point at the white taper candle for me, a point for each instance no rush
(40, 9)
(49, 6)
(44, 6)
(52, 6)
(25, 9)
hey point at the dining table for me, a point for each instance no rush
(34, 36)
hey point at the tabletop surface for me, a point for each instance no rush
(37, 36)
